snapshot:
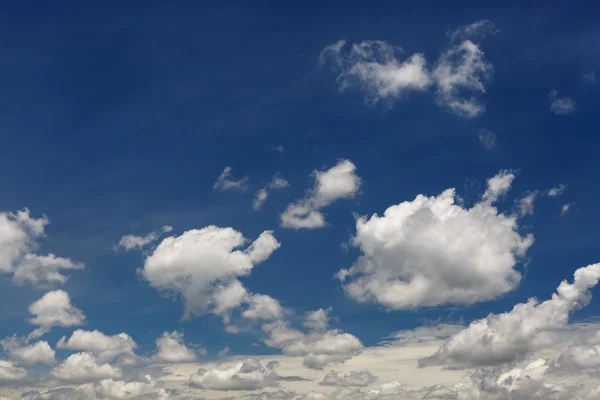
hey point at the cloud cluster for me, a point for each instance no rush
(103, 347)
(262, 194)
(244, 375)
(432, 251)
(337, 182)
(378, 70)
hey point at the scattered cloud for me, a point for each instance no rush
(561, 105)
(172, 349)
(525, 203)
(412, 256)
(203, 266)
(338, 182)
(379, 71)
(557, 190)
(104, 348)
(83, 367)
(244, 375)
(487, 139)
(132, 242)
(262, 194)
(511, 336)
(565, 209)
(28, 354)
(225, 182)
(353, 378)
(590, 77)
(54, 309)
(10, 372)
(279, 148)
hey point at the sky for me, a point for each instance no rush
(299, 201)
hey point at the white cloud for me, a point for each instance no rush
(103, 347)
(320, 347)
(353, 378)
(525, 203)
(278, 182)
(487, 139)
(263, 307)
(83, 367)
(590, 77)
(172, 349)
(18, 240)
(225, 182)
(203, 267)
(564, 209)
(54, 309)
(244, 375)
(131, 242)
(412, 256)
(561, 105)
(338, 182)
(513, 335)
(557, 190)
(10, 372)
(28, 354)
(375, 67)
(121, 390)
(478, 29)
(462, 68)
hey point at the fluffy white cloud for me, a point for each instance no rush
(54, 309)
(377, 69)
(83, 367)
(103, 347)
(121, 390)
(263, 307)
(353, 378)
(202, 266)
(320, 347)
(131, 242)
(431, 251)
(28, 354)
(244, 375)
(337, 182)
(561, 105)
(226, 182)
(487, 139)
(18, 240)
(172, 349)
(263, 194)
(10, 372)
(564, 209)
(511, 336)
(462, 68)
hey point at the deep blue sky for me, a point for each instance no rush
(118, 119)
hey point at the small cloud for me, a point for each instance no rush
(557, 190)
(590, 77)
(487, 139)
(565, 209)
(561, 105)
(226, 182)
(279, 148)
(525, 204)
(261, 196)
(477, 30)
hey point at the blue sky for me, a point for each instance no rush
(118, 120)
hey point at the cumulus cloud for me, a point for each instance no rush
(172, 349)
(10, 372)
(244, 375)
(103, 347)
(379, 71)
(352, 378)
(19, 235)
(337, 182)
(131, 242)
(412, 256)
(564, 209)
(262, 194)
(23, 353)
(561, 105)
(225, 182)
(83, 367)
(511, 336)
(203, 266)
(121, 390)
(54, 309)
(487, 139)
(319, 347)
(263, 307)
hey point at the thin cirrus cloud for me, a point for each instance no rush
(379, 71)
(337, 182)
(225, 182)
